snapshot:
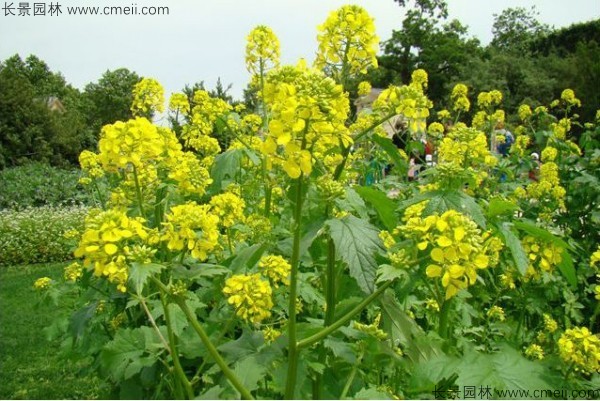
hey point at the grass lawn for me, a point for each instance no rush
(30, 366)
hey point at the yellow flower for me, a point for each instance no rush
(262, 50)
(496, 312)
(191, 227)
(104, 244)
(178, 103)
(460, 101)
(455, 246)
(549, 154)
(42, 283)
(550, 324)
(271, 334)
(250, 295)
(524, 112)
(568, 96)
(148, 97)
(73, 272)
(276, 268)
(580, 347)
(364, 88)
(534, 351)
(347, 38)
(308, 111)
(229, 207)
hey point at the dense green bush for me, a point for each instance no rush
(36, 235)
(38, 184)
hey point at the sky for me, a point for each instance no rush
(202, 40)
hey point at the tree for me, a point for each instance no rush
(110, 99)
(28, 129)
(515, 29)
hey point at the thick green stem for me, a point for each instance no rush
(344, 319)
(444, 312)
(330, 281)
(178, 369)
(292, 345)
(138, 192)
(212, 350)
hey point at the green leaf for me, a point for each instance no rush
(198, 270)
(247, 258)
(139, 273)
(567, 269)
(340, 349)
(225, 166)
(392, 150)
(124, 356)
(384, 206)
(354, 203)
(371, 393)
(356, 242)
(516, 249)
(540, 233)
(499, 206)
(396, 321)
(80, 319)
(178, 320)
(250, 372)
(248, 344)
(504, 370)
(212, 393)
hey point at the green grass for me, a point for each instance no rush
(30, 365)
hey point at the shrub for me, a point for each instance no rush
(38, 184)
(36, 235)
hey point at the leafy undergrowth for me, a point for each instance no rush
(32, 367)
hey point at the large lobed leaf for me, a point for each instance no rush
(356, 242)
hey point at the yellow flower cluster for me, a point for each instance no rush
(489, 99)
(308, 112)
(561, 129)
(229, 207)
(520, 145)
(105, 243)
(364, 88)
(595, 259)
(347, 41)
(276, 268)
(90, 164)
(580, 347)
(73, 272)
(534, 351)
(549, 154)
(42, 283)
(205, 113)
(148, 97)
(178, 103)
(190, 173)
(330, 188)
(271, 334)
(250, 295)
(459, 98)
(262, 50)
(543, 256)
(548, 191)
(524, 112)
(191, 227)
(455, 245)
(568, 96)
(371, 329)
(550, 324)
(408, 101)
(496, 313)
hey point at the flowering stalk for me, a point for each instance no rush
(292, 344)
(138, 191)
(178, 370)
(212, 350)
(308, 341)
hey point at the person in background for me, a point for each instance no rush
(503, 146)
